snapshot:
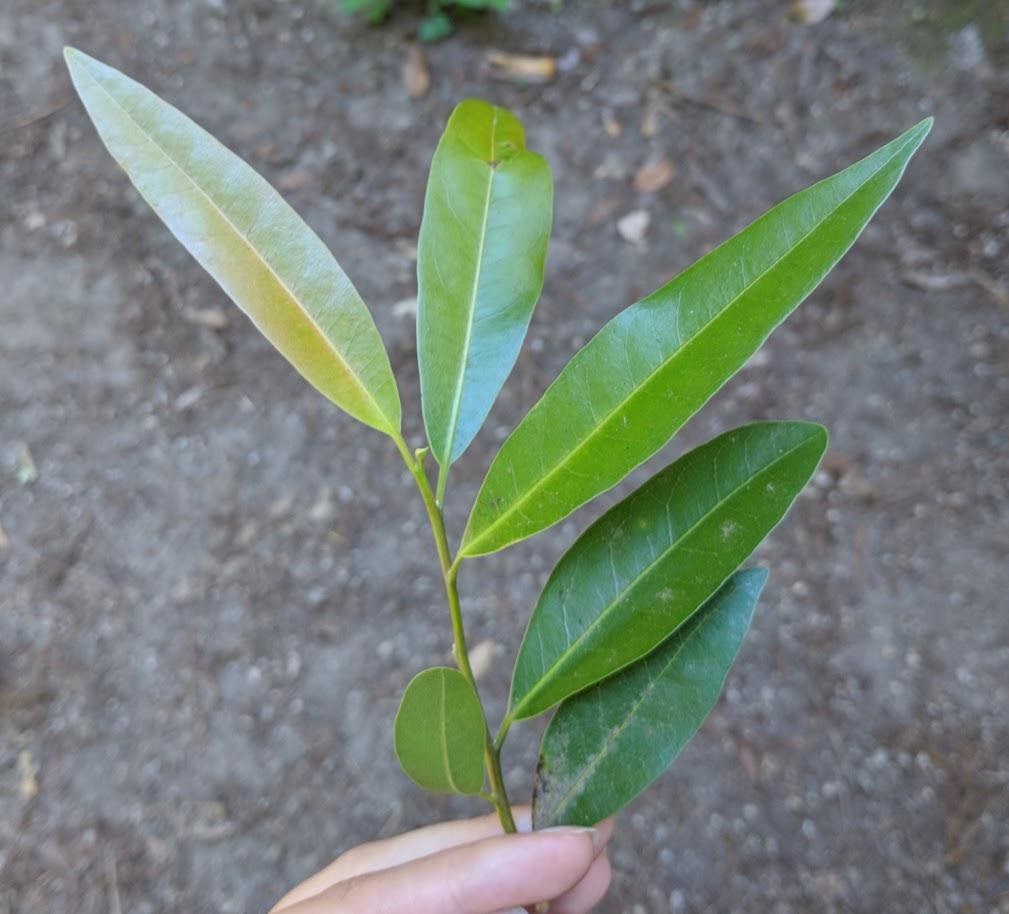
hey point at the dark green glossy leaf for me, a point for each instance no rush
(273, 266)
(481, 255)
(606, 745)
(647, 565)
(440, 732)
(653, 366)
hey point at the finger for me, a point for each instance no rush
(508, 871)
(582, 894)
(379, 855)
(605, 832)
(589, 892)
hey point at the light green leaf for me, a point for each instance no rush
(440, 732)
(606, 745)
(480, 261)
(273, 266)
(653, 366)
(647, 565)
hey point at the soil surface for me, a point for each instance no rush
(213, 587)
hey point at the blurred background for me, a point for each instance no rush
(213, 586)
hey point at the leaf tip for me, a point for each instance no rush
(80, 64)
(820, 433)
(918, 133)
(756, 578)
(811, 432)
(73, 57)
(750, 583)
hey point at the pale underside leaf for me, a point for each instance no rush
(274, 267)
(481, 256)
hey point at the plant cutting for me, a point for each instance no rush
(636, 629)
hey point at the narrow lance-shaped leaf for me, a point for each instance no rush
(648, 564)
(625, 394)
(274, 267)
(606, 745)
(440, 732)
(480, 261)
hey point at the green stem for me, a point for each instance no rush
(449, 572)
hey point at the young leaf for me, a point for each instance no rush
(440, 732)
(269, 262)
(647, 565)
(606, 745)
(480, 261)
(628, 391)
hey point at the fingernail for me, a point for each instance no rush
(576, 830)
(542, 908)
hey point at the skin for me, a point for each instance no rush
(465, 867)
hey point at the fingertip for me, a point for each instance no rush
(605, 830)
(544, 864)
(593, 835)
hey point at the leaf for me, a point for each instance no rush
(272, 265)
(606, 745)
(647, 565)
(481, 255)
(439, 732)
(629, 390)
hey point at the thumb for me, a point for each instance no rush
(508, 871)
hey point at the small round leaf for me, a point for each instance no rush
(440, 732)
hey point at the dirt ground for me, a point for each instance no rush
(213, 587)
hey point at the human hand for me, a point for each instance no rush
(466, 867)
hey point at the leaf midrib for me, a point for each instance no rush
(468, 338)
(677, 353)
(444, 734)
(248, 243)
(546, 678)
